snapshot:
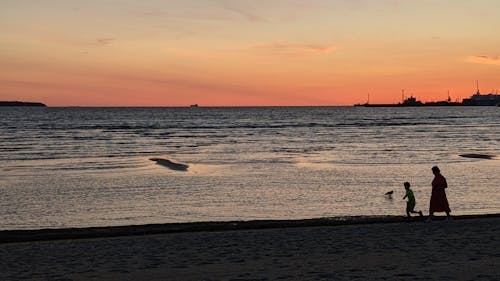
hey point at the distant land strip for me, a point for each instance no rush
(21, 103)
(15, 236)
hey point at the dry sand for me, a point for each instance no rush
(463, 249)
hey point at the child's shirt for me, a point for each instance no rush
(411, 197)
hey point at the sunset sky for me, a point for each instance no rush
(246, 52)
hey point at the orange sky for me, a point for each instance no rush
(246, 52)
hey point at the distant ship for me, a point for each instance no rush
(21, 103)
(411, 101)
(483, 100)
(194, 105)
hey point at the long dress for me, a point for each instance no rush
(439, 202)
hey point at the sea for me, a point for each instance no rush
(86, 167)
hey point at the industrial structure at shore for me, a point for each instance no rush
(475, 100)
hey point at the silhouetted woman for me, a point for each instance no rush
(439, 202)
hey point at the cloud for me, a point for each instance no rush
(495, 60)
(215, 10)
(287, 49)
(245, 12)
(104, 41)
(281, 50)
(155, 13)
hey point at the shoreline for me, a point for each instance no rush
(49, 234)
(463, 249)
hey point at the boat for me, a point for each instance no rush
(411, 101)
(483, 100)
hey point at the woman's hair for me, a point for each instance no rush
(436, 169)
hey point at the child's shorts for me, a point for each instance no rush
(410, 206)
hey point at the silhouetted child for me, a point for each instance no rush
(410, 204)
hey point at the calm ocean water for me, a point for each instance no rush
(76, 167)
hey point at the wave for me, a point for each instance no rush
(143, 128)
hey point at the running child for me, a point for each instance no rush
(410, 204)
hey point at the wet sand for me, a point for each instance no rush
(466, 248)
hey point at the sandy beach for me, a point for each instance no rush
(466, 248)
